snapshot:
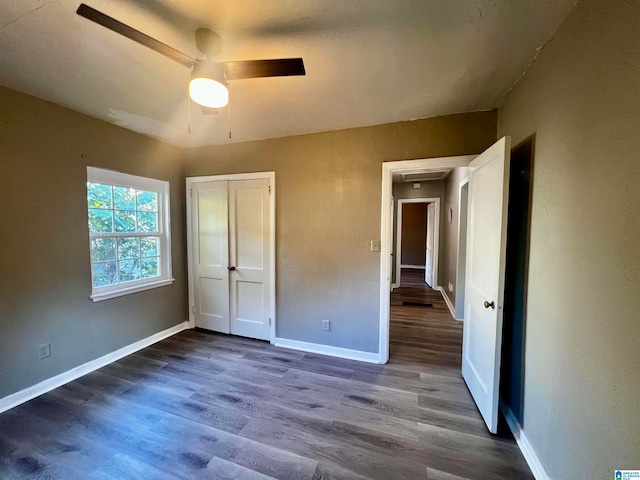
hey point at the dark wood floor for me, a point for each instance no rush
(422, 330)
(209, 406)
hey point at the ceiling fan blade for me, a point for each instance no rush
(133, 34)
(281, 67)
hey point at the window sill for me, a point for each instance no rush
(98, 297)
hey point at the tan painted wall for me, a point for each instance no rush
(414, 234)
(450, 230)
(581, 99)
(328, 209)
(44, 239)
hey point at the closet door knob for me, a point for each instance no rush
(231, 269)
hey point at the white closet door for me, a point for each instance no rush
(249, 243)
(210, 224)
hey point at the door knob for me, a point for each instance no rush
(489, 305)
(231, 269)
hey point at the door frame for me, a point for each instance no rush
(401, 202)
(386, 232)
(271, 176)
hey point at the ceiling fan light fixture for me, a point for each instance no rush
(207, 86)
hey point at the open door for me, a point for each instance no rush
(431, 240)
(485, 271)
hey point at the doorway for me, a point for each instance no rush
(231, 253)
(422, 250)
(512, 371)
(488, 286)
(389, 169)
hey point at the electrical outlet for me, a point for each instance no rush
(326, 325)
(450, 287)
(44, 351)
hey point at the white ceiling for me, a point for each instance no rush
(367, 62)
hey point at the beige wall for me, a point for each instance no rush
(450, 230)
(44, 239)
(328, 209)
(581, 100)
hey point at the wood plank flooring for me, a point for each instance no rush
(422, 334)
(210, 406)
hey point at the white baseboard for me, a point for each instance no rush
(526, 448)
(327, 350)
(419, 267)
(452, 308)
(45, 386)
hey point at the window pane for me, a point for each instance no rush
(128, 248)
(124, 198)
(147, 201)
(100, 220)
(147, 222)
(103, 249)
(99, 196)
(104, 274)
(125, 221)
(149, 247)
(150, 267)
(129, 270)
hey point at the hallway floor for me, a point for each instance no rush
(422, 329)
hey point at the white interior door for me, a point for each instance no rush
(210, 247)
(431, 227)
(249, 241)
(484, 291)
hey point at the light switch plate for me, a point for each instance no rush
(375, 245)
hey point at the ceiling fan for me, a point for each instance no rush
(208, 83)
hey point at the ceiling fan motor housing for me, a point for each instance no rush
(208, 69)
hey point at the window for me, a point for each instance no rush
(129, 233)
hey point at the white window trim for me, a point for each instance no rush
(109, 177)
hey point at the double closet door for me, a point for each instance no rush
(231, 261)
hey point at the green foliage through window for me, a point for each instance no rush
(122, 210)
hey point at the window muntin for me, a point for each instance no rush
(128, 231)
